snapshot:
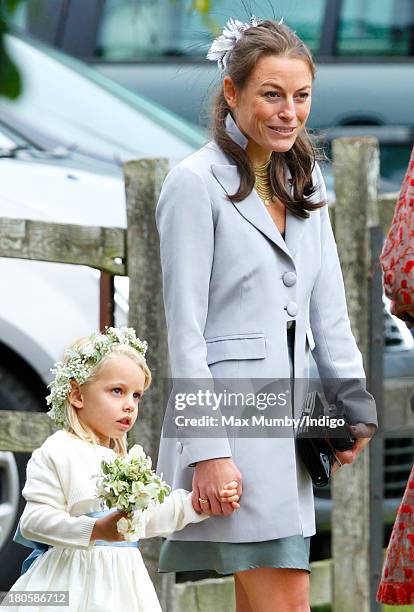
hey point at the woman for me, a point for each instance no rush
(396, 586)
(252, 283)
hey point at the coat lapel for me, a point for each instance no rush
(251, 208)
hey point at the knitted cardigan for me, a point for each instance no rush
(61, 488)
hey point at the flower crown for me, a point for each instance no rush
(224, 43)
(79, 363)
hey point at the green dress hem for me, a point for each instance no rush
(226, 558)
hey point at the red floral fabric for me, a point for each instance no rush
(397, 580)
(397, 257)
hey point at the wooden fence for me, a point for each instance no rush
(135, 252)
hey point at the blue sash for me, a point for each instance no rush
(39, 549)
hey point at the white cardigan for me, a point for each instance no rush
(60, 490)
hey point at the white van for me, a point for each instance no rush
(61, 147)
(364, 51)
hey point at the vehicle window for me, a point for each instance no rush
(161, 28)
(376, 28)
(41, 18)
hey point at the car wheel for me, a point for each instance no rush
(14, 395)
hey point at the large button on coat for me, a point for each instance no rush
(289, 279)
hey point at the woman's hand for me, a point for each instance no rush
(363, 434)
(105, 528)
(212, 478)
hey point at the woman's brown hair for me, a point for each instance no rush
(268, 38)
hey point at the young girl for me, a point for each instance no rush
(94, 399)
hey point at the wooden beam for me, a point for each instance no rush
(386, 207)
(356, 171)
(143, 180)
(106, 301)
(99, 247)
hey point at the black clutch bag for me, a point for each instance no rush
(315, 446)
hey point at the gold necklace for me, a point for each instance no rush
(262, 183)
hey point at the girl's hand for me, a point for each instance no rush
(105, 528)
(229, 494)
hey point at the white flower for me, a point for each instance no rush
(142, 500)
(219, 46)
(129, 528)
(232, 32)
(122, 525)
(234, 29)
(136, 452)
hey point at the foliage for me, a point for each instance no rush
(10, 81)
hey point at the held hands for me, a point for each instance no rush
(218, 484)
(363, 434)
(105, 528)
(228, 495)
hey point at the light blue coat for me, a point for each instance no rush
(231, 284)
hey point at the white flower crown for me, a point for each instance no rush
(80, 361)
(224, 43)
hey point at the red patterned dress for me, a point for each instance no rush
(397, 580)
(397, 257)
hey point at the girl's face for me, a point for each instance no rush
(274, 105)
(108, 404)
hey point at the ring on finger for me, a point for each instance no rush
(203, 501)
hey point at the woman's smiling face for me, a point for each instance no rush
(273, 106)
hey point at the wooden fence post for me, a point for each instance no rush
(356, 168)
(143, 181)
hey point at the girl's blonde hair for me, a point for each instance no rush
(76, 426)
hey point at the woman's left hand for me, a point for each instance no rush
(363, 434)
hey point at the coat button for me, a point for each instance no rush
(292, 309)
(289, 279)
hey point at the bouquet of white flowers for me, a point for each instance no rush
(129, 484)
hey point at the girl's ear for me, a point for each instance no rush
(75, 395)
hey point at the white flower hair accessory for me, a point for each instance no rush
(224, 43)
(79, 363)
